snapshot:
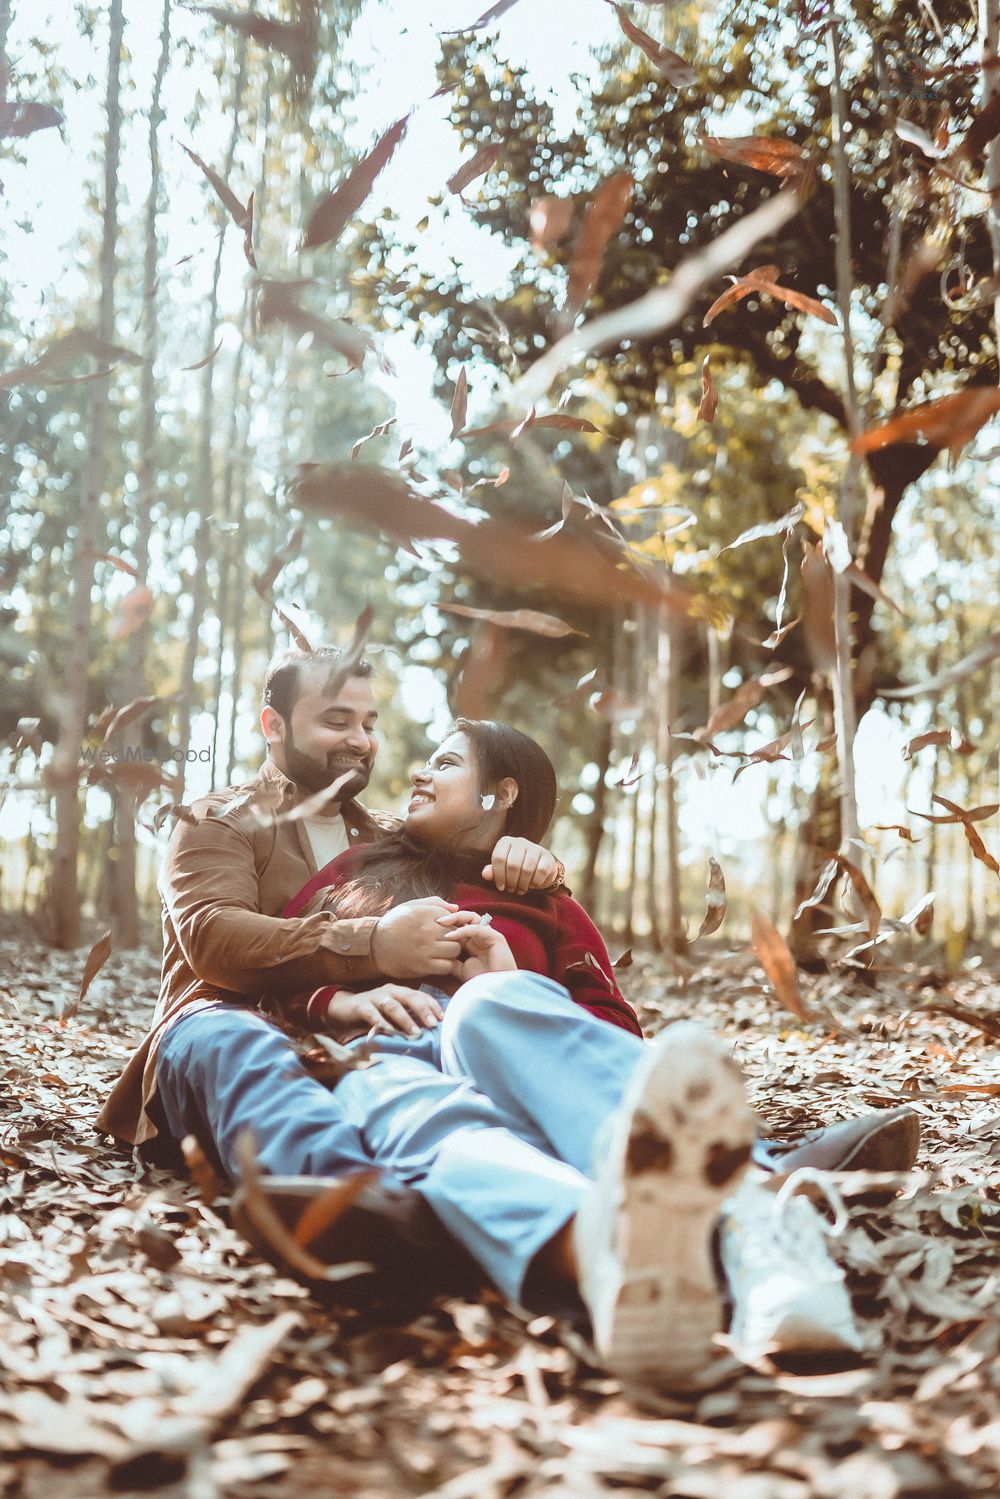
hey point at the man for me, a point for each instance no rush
(214, 1068)
(237, 857)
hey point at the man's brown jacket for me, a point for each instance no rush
(231, 867)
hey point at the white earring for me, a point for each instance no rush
(488, 802)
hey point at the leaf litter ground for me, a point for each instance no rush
(143, 1348)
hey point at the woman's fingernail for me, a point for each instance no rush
(501, 886)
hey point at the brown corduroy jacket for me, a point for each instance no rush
(230, 869)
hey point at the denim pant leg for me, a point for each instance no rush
(525, 1043)
(489, 1177)
(226, 1069)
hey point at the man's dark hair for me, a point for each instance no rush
(285, 670)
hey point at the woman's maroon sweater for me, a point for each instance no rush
(548, 933)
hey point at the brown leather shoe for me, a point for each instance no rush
(885, 1141)
(356, 1237)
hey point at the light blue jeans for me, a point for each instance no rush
(493, 1116)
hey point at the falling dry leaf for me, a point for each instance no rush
(557, 420)
(550, 219)
(715, 900)
(131, 711)
(777, 962)
(763, 281)
(459, 403)
(862, 889)
(379, 431)
(950, 422)
(602, 218)
(746, 696)
(333, 213)
(133, 612)
(484, 672)
(477, 165)
(516, 619)
(709, 395)
(96, 959)
(119, 562)
(71, 345)
(230, 202)
(953, 738)
(778, 157)
(186, 368)
(671, 65)
(276, 302)
(493, 14)
(300, 640)
(24, 117)
(297, 40)
(352, 653)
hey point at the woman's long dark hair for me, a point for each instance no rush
(399, 868)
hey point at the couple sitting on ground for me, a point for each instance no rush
(512, 1095)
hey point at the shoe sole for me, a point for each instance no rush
(684, 1142)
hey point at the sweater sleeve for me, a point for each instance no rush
(581, 962)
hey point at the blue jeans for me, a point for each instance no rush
(492, 1117)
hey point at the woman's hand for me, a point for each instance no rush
(391, 1007)
(518, 865)
(483, 951)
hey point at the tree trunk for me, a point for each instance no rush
(204, 485)
(126, 907)
(989, 42)
(65, 896)
(845, 718)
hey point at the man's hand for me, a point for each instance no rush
(391, 1007)
(518, 865)
(483, 951)
(419, 938)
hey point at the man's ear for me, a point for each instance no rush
(507, 791)
(273, 725)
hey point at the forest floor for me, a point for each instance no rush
(144, 1348)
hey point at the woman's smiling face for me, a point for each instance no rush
(446, 804)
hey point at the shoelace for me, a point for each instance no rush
(831, 1193)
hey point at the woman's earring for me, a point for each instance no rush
(488, 802)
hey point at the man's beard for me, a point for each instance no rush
(314, 774)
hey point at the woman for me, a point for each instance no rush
(485, 780)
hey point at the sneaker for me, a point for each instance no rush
(643, 1235)
(788, 1293)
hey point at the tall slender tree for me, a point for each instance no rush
(64, 890)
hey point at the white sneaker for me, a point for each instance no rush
(643, 1236)
(788, 1293)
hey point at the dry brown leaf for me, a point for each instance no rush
(950, 422)
(550, 219)
(557, 420)
(778, 157)
(230, 202)
(818, 606)
(709, 395)
(602, 218)
(378, 431)
(485, 672)
(133, 612)
(516, 619)
(459, 403)
(715, 900)
(96, 959)
(335, 211)
(276, 302)
(119, 562)
(128, 714)
(188, 368)
(864, 892)
(746, 696)
(486, 157)
(757, 282)
(673, 67)
(25, 116)
(777, 962)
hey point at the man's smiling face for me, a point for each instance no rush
(327, 734)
